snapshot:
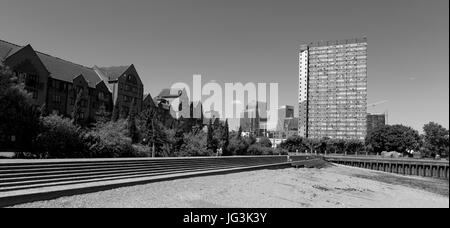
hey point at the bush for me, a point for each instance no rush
(265, 142)
(354, 146)
(336, 146)
(109, 140)
(238, 146)
(257, 149)
(280, 151)
(142, 151)
(194, 145)
(294, 143)
(59, 138)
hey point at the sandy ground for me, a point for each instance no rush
(335, 186)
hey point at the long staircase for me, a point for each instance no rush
(28, 181)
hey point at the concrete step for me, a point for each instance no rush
(13, 197)
(7, 168)
(45, 171)
(67, 181)
(84, 173)
(24, 181)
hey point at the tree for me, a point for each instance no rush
(109, 140)
(312, 144)
(294, 144)
(251, 139)
(201, 114)
(265, 142)
(258, 149)
(7, 80)
(239, 135)
(216, 124)
(102, 115)
(19, 118)
(191, 110)
(77, 110)
(59, 138)
(238, 145)
(354, 146)
(154, 132)
(211, 141)
(190, 123)
(44, 110)
(336, 146)
(322, 145)
(194, 145)
(397, 138)
(132, 129)
(436, 140)
(226, 139)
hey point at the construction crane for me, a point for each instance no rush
(377, 103)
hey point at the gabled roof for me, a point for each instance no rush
(148, 96)
(114, 72)
(67, 71)
(6, 49)
(59, 69)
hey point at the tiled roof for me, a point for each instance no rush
(59, 69)
(114, 72)
(67, 71)
(149, 99)
(6, 49)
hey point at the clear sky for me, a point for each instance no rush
(249, 41)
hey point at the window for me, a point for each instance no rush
(62, 86)
(34, 94)
(31, 80)
(83, 103)
(126, 109)
(131, 79)
(57, 99)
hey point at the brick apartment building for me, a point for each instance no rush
(56, 82)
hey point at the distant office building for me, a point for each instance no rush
(284, 113)
(375, 121)
(333, 89)
(254, 119)
(287, 124)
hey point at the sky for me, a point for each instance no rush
(249, 41)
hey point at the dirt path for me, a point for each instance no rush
(335, 186)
